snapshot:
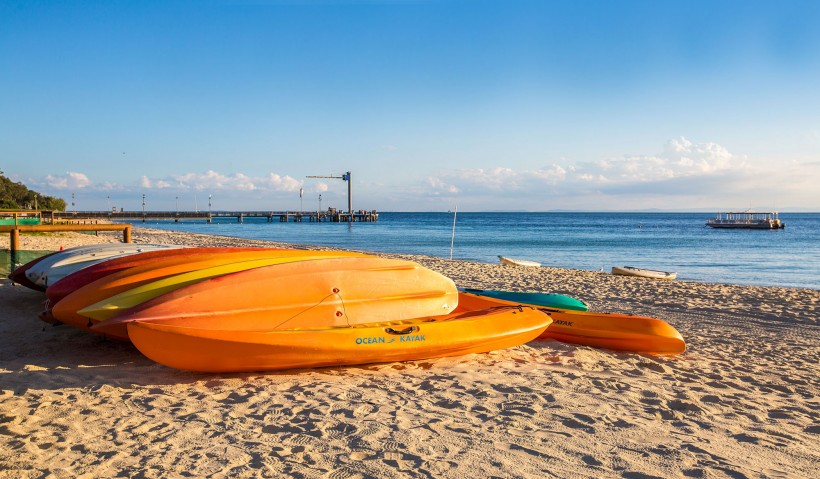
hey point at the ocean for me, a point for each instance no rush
(591, 241)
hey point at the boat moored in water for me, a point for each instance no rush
(747, 220)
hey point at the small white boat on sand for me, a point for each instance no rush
(644, 273)
(518, 262)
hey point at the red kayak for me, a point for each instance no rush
(78, 279)
(19, 274)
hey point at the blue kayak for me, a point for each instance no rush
(546, 300)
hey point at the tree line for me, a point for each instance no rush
(17, 196)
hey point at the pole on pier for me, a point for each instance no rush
(453, 237)
(346, 177)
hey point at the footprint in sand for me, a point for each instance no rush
(591, 461)
(576, 424)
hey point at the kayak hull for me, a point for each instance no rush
(65, 262)
(58, 290)
(619, 332)
(332, 292)
(209, 350)
(643, 273)
(518, 262)
(19, 274)
(118, 291)
(547, 300)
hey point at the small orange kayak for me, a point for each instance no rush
(330, 292)
(620, 332)
(68, 309)
(464, 331)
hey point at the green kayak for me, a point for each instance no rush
(546, 300)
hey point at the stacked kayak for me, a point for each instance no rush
(248, 309)
(57, 266)
(80, 278)
(96, 299)
(243, 309)
(475, 326)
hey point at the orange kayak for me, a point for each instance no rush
(78, 279)
(620, 332)
(330, 292)
(67, 310)
(464, 331)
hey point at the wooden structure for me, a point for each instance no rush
(20, 217)
(332, 215)
(15, 230)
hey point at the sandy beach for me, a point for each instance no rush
(742, 402)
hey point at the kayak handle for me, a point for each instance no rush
(411, 329)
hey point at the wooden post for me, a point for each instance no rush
(126, 234)
(14, 240)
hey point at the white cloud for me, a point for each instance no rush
(282, 183)
(212, 180)
(71, 180)
(495, 181)
(683, 174)
(680, 158)
(440, 187)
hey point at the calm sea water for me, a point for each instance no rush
(663, 241)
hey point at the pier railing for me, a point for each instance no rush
(330, 216)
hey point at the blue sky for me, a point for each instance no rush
(483, 105)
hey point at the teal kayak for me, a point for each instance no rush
(546, 300)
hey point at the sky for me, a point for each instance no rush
(430, 105)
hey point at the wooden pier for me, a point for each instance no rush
(330, 216)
